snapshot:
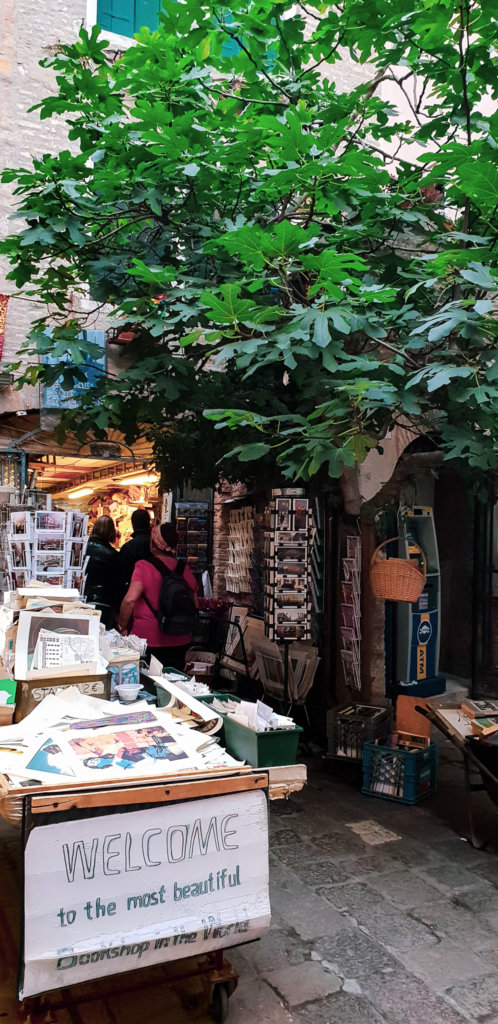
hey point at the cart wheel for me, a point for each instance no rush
(218, 1007)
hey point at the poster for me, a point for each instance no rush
(115, 892)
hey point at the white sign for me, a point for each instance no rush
(126, 890)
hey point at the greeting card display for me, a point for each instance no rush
(240, 550)
(192, 524)
(350, 612)
(287, 558)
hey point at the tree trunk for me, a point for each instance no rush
(350, 488)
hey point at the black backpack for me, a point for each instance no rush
(177, 613)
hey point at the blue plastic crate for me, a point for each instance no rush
(405, 776)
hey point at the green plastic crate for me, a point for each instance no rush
(259, 749)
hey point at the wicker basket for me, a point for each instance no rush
(396, 579)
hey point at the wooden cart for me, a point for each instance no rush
(63, 806)
(472, 764)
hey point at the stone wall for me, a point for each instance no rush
(29, 28)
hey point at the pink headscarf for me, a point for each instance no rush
(158, 539)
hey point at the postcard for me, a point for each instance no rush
(20, 524)
(291, 631)
(290, 599)
(295, 552)
(348, 638)
(348, 617)
(354, 548)
(76, 554)
(300, 513)
(50, 560)
(287, 614)
(348, 567)
(77, 524)
(282, 509)
(50, 541)
(50, 521)
(19, 552)
(292, 568)
(20, 577)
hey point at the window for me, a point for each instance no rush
(125, 17)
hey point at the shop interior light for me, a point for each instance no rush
(81, 493)
(139, 478)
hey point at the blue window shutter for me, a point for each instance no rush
(117, 16)
(147, 13)
(230, 48)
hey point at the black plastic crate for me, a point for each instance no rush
(350, 726)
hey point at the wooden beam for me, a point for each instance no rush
(147, 794)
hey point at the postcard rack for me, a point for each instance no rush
(193, 524)
(287, 557)
(45, 545)
(151, 814)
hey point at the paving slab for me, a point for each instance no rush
(281, 947)
(379, 918)
(447, 964)
(446, 920)
(404, 999)
(309, 915)
(338, 1009)
(303, 983)
(478, 998)
(403, 887)
(448, 877)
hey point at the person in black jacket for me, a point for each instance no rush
(137, 548)
(102, 586)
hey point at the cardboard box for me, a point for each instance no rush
(7, 714)
(30, 693)
(123, 667)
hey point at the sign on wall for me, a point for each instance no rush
(54, 396)
(116, 892)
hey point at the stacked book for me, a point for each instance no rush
(483, 717)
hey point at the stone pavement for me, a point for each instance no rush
(401, 932)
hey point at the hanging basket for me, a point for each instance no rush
(396, 579)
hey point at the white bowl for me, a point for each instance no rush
(128, 694)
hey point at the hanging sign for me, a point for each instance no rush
(115, 892)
